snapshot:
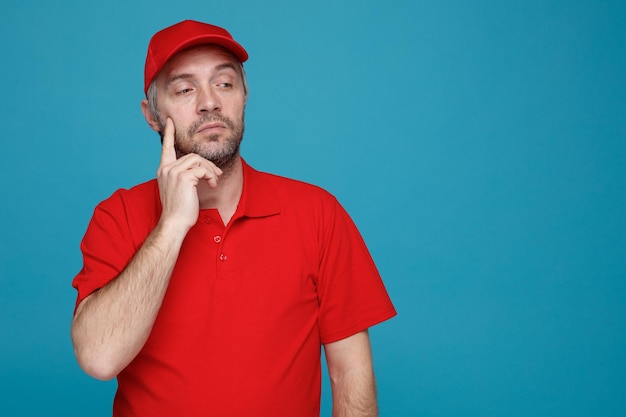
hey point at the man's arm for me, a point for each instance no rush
(111, 325)
(352, 376)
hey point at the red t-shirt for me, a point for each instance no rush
(248, 305)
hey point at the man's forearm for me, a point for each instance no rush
(111, 325)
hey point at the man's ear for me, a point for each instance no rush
(147, 113)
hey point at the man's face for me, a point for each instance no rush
(201, 90)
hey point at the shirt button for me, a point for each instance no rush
(223, 257)
(217, 239)
(206, 220)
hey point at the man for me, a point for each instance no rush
(210, 290)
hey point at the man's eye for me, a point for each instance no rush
(184, 91)
(225, 85)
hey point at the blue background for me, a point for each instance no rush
(479, 146)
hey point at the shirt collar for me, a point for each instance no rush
(258, 197)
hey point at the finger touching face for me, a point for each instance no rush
(168, 152)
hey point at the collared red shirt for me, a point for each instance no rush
(249, 304)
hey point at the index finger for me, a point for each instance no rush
(168, 153)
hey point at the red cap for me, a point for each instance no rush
(167, 42)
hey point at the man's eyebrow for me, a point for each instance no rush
(185, 76)
(178, 77)
(226, 65)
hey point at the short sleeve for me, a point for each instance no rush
(117, 229)
(351, 293)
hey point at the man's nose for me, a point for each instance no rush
(208, 100)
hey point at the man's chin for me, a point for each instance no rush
(220, 154)
(224, 162)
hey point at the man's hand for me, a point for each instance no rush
(178, 181)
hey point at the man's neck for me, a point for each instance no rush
(225, 197)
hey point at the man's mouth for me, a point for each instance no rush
(211, 126)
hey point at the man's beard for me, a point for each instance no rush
(221, 154)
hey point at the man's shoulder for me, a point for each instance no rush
(297, 196)
(139, 196)
(293, 187)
